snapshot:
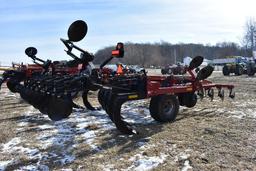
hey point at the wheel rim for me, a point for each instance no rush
(168, 107)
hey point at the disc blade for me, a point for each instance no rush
(77, 30)
(39, 99)
(31, 51)
(12, 86)
(25, 94)
(205, 72)
(59, 108)
(196, 62)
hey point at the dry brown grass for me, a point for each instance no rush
(11, 110)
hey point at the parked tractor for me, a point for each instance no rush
(239, 67)
(51, 93)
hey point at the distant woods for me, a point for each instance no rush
(164, 53)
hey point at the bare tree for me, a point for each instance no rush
(250, 34)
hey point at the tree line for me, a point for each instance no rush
(163, 53)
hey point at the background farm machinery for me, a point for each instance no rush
(175, 69)
(51, 92)
(238, 67)
(241, 65)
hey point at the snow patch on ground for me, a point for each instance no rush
(184, 157)
(109, 167)
(9, 94)
(67, 159)
(22, 124)
(240, 112)
(136, 112)
(141, 162)
(12, 143)
(44, 127)
(14, 147)
(4, 164)
(186, 166)
(33, 168)
(237, 114)
(54, 142)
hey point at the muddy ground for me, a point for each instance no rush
(211, 136)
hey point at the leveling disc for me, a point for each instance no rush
(205, 72)
(77, 30)
(196, 62)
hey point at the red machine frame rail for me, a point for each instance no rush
(154, 85)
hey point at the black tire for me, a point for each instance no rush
(175, 71)
(164, 108)
(225, 70)
(180, 97)
(190, 99)
(250, 70)
(239, 70)
(163, 71)
(187, 99)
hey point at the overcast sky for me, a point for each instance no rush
(40, 23)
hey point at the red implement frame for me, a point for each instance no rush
(176, 85)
